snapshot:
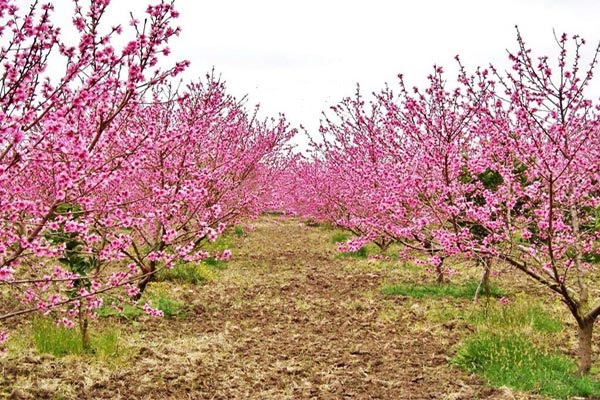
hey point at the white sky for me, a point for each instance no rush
(300, 57)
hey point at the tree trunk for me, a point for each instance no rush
(485, 281)
(142, 286)
(383, 244)
(584, 352)
(440, 274)
(149, 272)
(487, 262)
(83, 327)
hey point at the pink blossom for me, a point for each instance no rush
(66, 322)
(154, 312)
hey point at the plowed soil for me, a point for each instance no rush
(287, 319)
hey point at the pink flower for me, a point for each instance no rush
(4, 335)
(225, 255)
(67, 323)
(154, 312)
(6, 273)
(132, 290)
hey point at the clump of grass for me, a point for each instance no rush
(360, 253)
(106, 344)
(195, 274)
(339, 237)
(312, 223)
(112, 308)
(512, 360)
(56, 340)
(158, 293)
(238, 231)
(466, 290)
(168, 306)
(223, 242)
(213, 262)
(61, 341)
(515, 315)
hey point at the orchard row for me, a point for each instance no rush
(107, 173)
(499, 167)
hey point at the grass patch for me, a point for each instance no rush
(158, 293)
(512, 360)
(238, 231)
(339, 237)
(106, 344)
(313, 223)
(170, 307)
(56, 340)
(113, 308)
(223, 242)
(195, 274)
(466, 290)
(516, 315)
(360, 253)
(213, 262)
(61, 341)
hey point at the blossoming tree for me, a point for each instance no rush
(55, 130)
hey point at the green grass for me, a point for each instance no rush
(170, 307)
(107, 343)
(517, 314)
(312, 223)
(223, 242)
(513, 346)
(512, 360)
(195, 274)
(60, 341)
(238, 231)
(339, 237)
(466, 290)
(360, 253)
(157, 293)
(128, 312)
(213, 262)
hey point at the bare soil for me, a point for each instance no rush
(287, 319)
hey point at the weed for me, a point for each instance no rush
(302, 305)
(312, 223)
(56, 340)
(106, 344)
(512, 360)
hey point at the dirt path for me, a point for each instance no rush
(285, 320)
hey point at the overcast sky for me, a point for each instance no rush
(300, 57)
